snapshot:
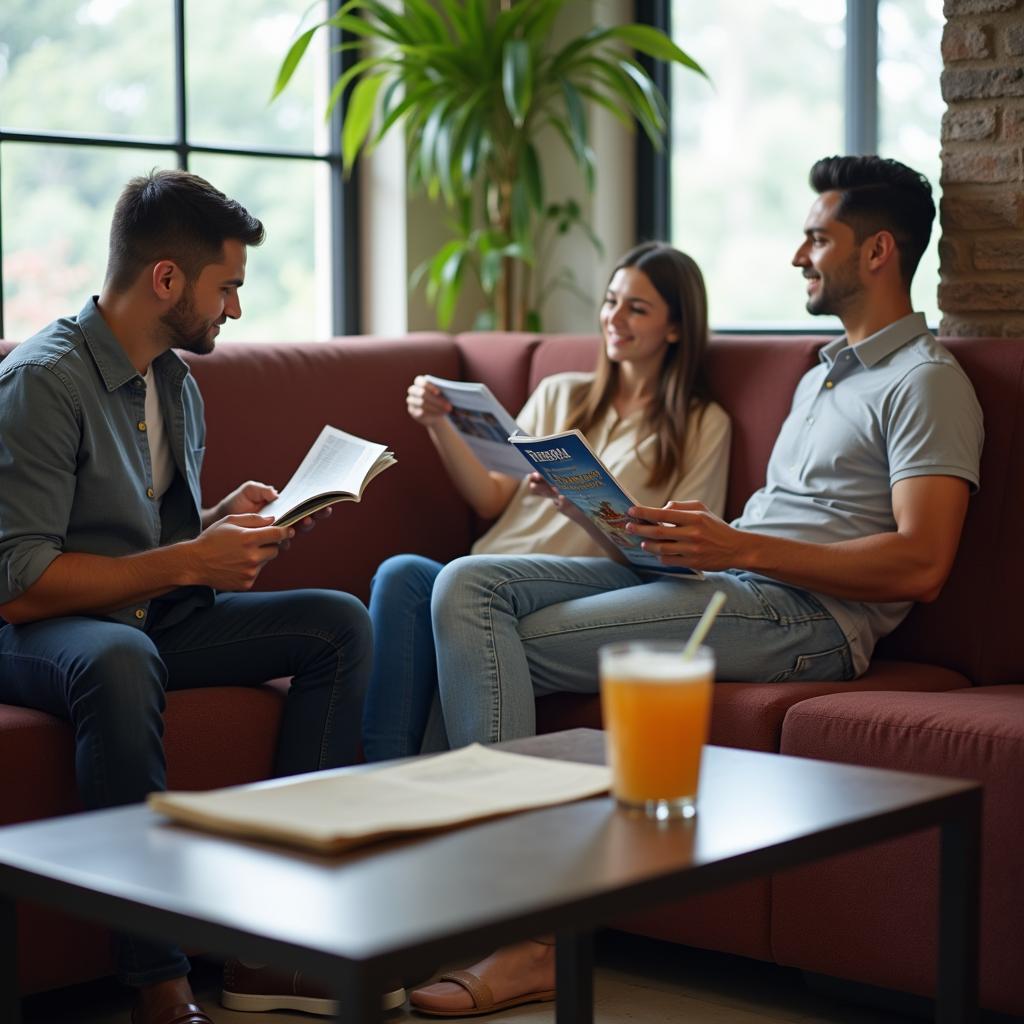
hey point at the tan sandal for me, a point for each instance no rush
(483, 999)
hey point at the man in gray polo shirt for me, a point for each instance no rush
(860, 516)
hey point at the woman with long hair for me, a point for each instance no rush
(646, 411)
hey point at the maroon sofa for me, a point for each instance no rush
(944, 694)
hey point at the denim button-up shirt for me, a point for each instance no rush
(75, 468)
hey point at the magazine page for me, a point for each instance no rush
(483, 422)
(570, 465)
(338, 466)
(334, 811)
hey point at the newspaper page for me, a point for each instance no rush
(484, 423)
(572, 467)
(337, 467)
(335, 811)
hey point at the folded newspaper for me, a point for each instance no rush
(334, 811)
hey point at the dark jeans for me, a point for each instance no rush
(109, 681)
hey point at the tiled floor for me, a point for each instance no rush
(638, 982)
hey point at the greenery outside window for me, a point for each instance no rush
(93, 92)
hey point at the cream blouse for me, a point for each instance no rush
(532, 525)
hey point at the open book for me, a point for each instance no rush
(573, 468)
(336, 810)
(337, 468)
(483, 422)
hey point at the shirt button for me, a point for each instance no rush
(140, 613)
(150, 493)
(829, 384)
(142, 423)
(810, 419)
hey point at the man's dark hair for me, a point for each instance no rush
(878, 194)
(177, 216)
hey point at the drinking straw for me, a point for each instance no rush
(706, 622)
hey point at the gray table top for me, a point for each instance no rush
(502, 879)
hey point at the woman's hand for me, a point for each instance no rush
(540, 488)
(425, 403)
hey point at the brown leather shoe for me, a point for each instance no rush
(183, 1013)
(260, 989)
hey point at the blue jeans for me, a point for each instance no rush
(109, 680)
(404, 679)
(512, 627)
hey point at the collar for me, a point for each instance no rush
(113, 364)
(873, 349)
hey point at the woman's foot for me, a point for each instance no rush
(524, 972)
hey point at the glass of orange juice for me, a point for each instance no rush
(656, 705)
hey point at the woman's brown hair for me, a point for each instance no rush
(681, 385)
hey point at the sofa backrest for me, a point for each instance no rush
(972, 626)
(265, 405)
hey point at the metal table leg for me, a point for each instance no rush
(956, 995)
(574, 978)
(10, 999)
(359, 996)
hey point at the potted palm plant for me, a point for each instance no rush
(474, 83)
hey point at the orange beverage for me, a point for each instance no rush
(656, 708)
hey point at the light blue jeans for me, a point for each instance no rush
(513, 627)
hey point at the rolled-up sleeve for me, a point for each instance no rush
(39, 442)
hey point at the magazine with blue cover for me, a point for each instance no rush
(572, 467)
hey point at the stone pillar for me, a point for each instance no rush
(981, 252)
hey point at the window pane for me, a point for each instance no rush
(95, 67)
(57, 202)
(910, 112)
(742, 146)
(287, 279)
(234, 49)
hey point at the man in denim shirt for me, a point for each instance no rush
(116, 584)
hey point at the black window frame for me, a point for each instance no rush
(343, 218)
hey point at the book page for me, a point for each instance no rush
(337, 464)
(333, 811)
(484, 424)
(572, 467)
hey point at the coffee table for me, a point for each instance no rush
(399, 907)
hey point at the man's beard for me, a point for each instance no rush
(186, 330)
(834, 296)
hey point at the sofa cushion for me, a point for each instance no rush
(750, 715)
(198, 724)
(871, 915)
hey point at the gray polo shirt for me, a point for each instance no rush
(897, 405)
(74, 456)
